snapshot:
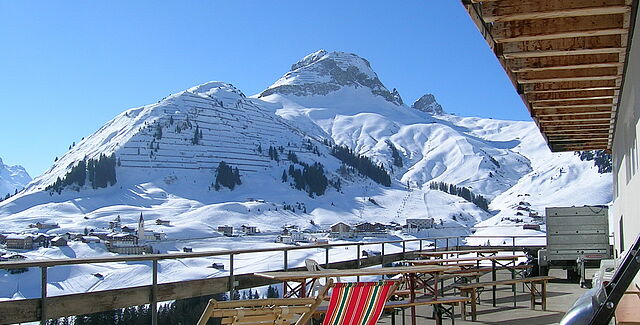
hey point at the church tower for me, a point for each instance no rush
(140, 228)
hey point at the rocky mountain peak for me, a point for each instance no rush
(427, 103)
(322, 72)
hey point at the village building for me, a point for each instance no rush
(3, 238)
(41, 240)
(285, 239)
(42, 225)
(128, 230)
(365, 227)
(249, 230)
(116, 224)
(58, 241)
(90, 239)
(225, 230)
(161, 222)
(14, 258)
(416, 225)
(121, 240)
(15, 241)
(340, 227)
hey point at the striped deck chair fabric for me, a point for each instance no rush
(358, 303)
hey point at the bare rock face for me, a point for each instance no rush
(427, 103)
(322, 72)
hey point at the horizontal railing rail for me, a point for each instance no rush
(46, 307)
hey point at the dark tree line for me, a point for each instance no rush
(364, 165)
(197, 136)
(462, 192)
(600, 158)
(397, 159)
(227, 176)
(183, 311)
(273, 152)
(310, 178)
(100, 173)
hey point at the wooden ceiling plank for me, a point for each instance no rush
(511, 11)
(558, 79)
(565, 95)
(564, 62)
(589, 139)
(570, 111)
(567, 73)
(563, 99)
(571, 85)
(564, 46)
(540, 29)
(601, 102)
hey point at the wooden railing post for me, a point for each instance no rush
(43, 295)
(326, 257)
(285, 262)
(154, 294)
(382, 255)
(232, 278)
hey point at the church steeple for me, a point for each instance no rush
(141, 228)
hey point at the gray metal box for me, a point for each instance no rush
(574, 232)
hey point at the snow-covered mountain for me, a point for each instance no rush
(164, 157)
(12, 178)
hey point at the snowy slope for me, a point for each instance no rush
(167, 153)
(12, 178)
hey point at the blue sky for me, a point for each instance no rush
(67, 67)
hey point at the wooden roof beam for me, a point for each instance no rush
(568, 95)
(575, 130)
(610, 98)
(569, 111)
(564, 62)
(603, 123)
(559, 85)
(541, 29)
(581, 146)
(600, 102)
(510, 10)
(576, 118)
(588, 139)
(569, 75)
(564, 46)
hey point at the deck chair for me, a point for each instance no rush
(358, 303)
(313, 266)
(277, 311)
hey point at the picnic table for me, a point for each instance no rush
(440, 254)
(504, 261)
(416, 277)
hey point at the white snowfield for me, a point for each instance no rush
(327, 97)
(12, 178)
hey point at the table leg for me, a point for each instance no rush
(303, 289)
(533, 295)
(544, 295)
(412, 288)
(474, 302)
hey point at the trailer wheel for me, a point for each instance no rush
(573, 275)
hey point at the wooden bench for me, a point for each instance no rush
(627, 309)
(439, 309)
(473, 289)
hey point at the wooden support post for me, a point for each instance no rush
(154, 294)
(326, 257)
(493, 278)
(232, 279)
(474, 302)
(382, 256)
(404, 249)
(285, 259)
(358, 259)
(447, 247)
(43, 295)
(420, 244)
(533, 295)
(544, 295)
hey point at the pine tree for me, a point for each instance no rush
(284, 176)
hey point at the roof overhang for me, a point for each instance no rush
(566, 59)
